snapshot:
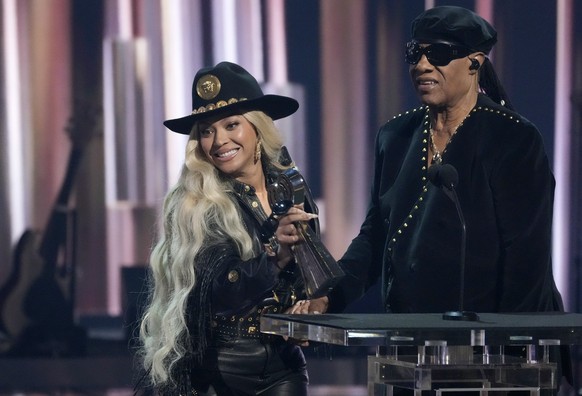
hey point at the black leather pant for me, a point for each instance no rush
(237, 366)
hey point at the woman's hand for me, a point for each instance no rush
(315, 306)
(287, 234)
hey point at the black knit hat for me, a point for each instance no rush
(454, 25)
(227, 88)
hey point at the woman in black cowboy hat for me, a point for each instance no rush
(215, 269)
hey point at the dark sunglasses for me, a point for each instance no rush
(438, 54)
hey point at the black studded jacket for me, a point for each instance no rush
(411, 236)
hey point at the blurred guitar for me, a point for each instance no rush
(36, 302)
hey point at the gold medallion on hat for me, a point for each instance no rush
(208, 86)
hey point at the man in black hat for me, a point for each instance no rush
(217, 268)
(465, 145)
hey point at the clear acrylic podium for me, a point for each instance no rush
(448, 357)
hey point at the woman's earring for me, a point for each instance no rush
(258, 151)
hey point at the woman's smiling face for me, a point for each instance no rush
(230, 144)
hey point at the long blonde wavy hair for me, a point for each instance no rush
(197, 209)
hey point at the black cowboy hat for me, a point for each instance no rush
(227, 88)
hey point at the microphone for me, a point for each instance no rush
(446, 177)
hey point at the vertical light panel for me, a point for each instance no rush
(345, 85)
(14, 127)
(118, 33)
(562, 143)
(248, 37)
(155, 141)
(276, 42)
(118, 130)
(224, 22)
(108, 120)
(177, 76)
(292, 128)
(484, 8)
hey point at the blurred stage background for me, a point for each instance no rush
(86, 161)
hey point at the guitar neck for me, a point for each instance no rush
(56, 230)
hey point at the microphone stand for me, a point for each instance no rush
(460, 314)
(446, 177)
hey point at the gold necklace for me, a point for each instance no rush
(437, 156)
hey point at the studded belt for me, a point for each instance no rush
(245, 326)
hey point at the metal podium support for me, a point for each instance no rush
(423, 352)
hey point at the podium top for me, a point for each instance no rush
(548, 328)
